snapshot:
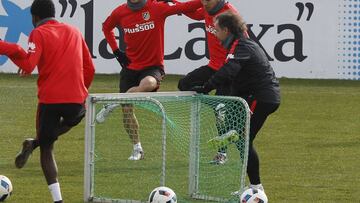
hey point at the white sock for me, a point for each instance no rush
(55, 191)
(258, 186)
(137, 146)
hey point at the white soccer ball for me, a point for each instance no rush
(162, 195)
(253, 195)
(5, 188)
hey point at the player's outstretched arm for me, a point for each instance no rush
(26, 61)
(11, 50)
(179, 7)
(16, 54)
(195, 15)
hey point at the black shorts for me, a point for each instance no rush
(131, 78)
(198, 77)
(52, 118)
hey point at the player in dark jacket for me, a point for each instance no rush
(251, 77)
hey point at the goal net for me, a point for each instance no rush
(180, 134)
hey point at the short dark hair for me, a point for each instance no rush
(233, 22)
(43, 8)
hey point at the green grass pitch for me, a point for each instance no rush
(309, 149)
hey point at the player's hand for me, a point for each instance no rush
(22, 73)
(202, 89)
(121, 58)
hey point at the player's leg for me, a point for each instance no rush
(147, 84)
(49, 122)
(71, 116)
(128, 79)
(50, 170)
(260, 113)
(104, 112)
(220, 112)
(131, 126)
(148, 81)
(223, 120)
(223, 125)
(196, 77)
(227, 133)
(28, 145)
(55, 120)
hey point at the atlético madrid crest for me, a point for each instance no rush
(146, 15)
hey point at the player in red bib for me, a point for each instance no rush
(217, 52)
(65, 71)
(142, 23)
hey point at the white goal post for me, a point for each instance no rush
(178, 131)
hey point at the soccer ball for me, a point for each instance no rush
(162, 195)
(5, 188)
(253, 195)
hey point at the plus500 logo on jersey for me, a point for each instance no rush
(140, 27)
